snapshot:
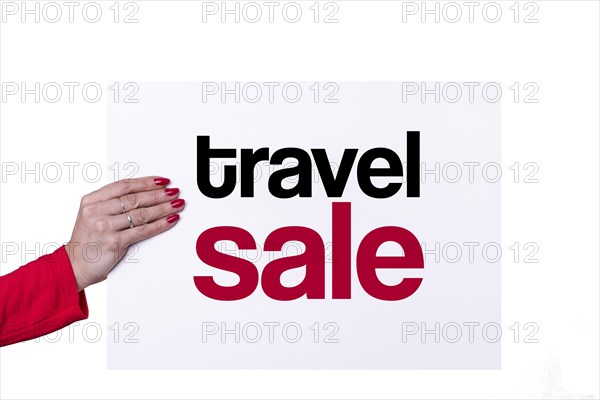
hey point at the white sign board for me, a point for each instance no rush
(422, 164)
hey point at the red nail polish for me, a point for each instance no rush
(177, 203)
(171, 191)
(161, 181)
(172, 218)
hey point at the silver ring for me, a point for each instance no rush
(129, 219)
(122, 205)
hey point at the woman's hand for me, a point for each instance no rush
(116, 216)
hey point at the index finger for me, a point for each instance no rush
(126, 186)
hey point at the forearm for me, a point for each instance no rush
(40, 297)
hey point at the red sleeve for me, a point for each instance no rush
(39, 298)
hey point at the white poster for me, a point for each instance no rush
(327, 225)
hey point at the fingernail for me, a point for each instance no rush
(177, 203)
(171, 191)
(172, 218)
(161, 181)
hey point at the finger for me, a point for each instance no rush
(141, 216)
(146, 231)
(132, 201)
(125, 186)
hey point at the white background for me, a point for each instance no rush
(560, 134)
